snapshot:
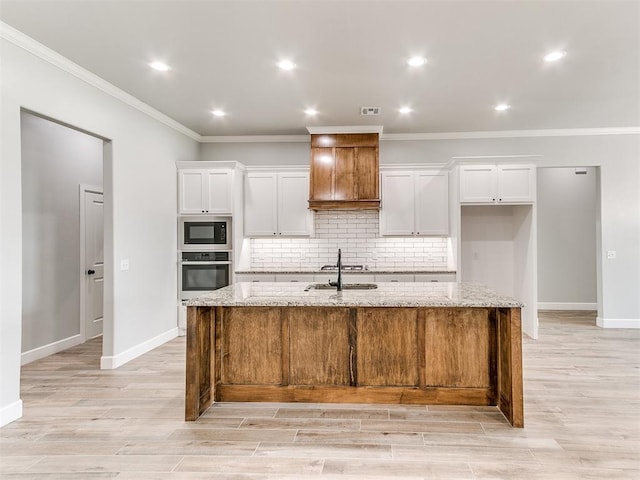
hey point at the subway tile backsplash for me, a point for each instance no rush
(356, 232)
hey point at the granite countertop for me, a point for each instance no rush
(344, 272)
(388, 294)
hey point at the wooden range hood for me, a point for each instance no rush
(344, 170)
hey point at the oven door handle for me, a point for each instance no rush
(196, 262)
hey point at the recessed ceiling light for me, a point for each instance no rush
(416, 61)
(286, 65)
(311, 112)
(160, 66)
(555, 56)
(501, 107)
(218, 113)
(405, 110)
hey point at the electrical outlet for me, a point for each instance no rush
(611, 254)
(124, 264)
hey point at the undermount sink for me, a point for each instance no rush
(346, 286)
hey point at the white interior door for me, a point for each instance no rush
(93, 263)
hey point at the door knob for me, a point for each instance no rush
(90, 272)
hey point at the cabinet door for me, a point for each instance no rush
(397, 212)
(191, 195)
(435, 277)
(394, 277)
(432, 203)
(516, 183)
(294, 277)
(478, 184)
(294, 217)
(366, 173)
(255, 277)
(260, 205)
(322, 171)
(345, 187)
(218, 189)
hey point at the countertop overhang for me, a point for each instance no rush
(388, 294)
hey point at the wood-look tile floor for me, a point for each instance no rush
(582, 421)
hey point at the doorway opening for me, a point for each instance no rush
(56, 161)
(568, 239)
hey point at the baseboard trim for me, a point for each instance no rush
(566, 306)
(618, 322)
(10, 413)
(50, 349)
(112, 362)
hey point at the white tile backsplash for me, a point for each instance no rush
(356, 232)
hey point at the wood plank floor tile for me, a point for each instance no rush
(334, 424)
(105, 463)
(430, 470)
(333, 412)
(321, 437)
(334, 450)
(421, 427)
(239, 435)
(258, 465)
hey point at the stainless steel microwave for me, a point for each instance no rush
(204, 233)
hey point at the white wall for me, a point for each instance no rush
(567, 238)
(618, 157)
(140, 206)
(55, 161)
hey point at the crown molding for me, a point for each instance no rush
(256, 139)
(226, 164)
(391, 137)
(559, 132)
(27, 43)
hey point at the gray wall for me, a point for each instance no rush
(566, 236)
(55, 161)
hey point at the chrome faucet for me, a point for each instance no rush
(338, 283)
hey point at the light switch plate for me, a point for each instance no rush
(124, 264)
(611, 254)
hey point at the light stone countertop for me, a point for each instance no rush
(388, 294)
(374, 271)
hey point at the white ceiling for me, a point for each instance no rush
(351, 54)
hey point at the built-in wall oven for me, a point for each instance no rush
(201, 233)
(203, 271)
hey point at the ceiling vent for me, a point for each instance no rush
(370, 111)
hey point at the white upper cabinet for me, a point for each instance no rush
(497, 184)
(294, 217)
(205, 191)
(260, 204)
(397, 204)
(275, 204)
(516, 183)
(414, 203)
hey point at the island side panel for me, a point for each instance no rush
(460, 346)
(387, 347)
(251, 346)
(200, 365)
(510, 395)
(318, 347)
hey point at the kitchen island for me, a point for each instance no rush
(405, 343)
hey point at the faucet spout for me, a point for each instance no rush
(338, 282)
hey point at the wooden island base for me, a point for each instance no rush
(392, 355)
